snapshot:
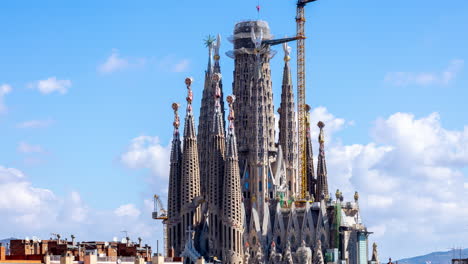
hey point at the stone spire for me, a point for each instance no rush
(287, 124)
(190, 183)
(174, 203)
(216, 57)
(205, 122)
(255, 122)
(232, 218)
(311, 180)
(322, 182)
(216, 170)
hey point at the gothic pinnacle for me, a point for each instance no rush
(216, 46)
(322, 181)
(176, 123)
(189, 129)
(321, 125)
(230, 100)
(188, 83)
(287, 51)
(217, 93)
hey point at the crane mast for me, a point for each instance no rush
(301, 97)
(159, 213)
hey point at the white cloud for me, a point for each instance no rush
(127, 210)
(27, 210)
(24, 147)
(35, 123)
(332, 123)
(113, 63)
(4, 90)
(410, 180)
(378, 201)
(147, 152)
(181, 66)
(424, 78)
(18, 196)
(51, 85)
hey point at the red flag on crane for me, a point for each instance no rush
(258, 8)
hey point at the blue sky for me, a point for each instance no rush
(86, 88)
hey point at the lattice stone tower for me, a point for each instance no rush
(174, 199)
(216, 171)
(311, 180)
(207, 109)
(232, 218)
(322, 181)
(190, 183)
(287, 125)
(255, 121)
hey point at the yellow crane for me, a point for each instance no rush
(301, 97)
(159, 213)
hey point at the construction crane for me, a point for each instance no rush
(159, 213)
(301, 97)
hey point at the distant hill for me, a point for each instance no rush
(7, 240)
(436, 257)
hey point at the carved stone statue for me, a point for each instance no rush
(275, 257)
(375, 255)
(304, 254)
(318, 255)
(259, 257)
(246, 253)
(288, 258)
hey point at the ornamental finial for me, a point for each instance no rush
(321, 125)
(216, 47)
(176, 123)
(230, 99)
(356, 196)
(287, 51)
(188, 83)
(216, 79)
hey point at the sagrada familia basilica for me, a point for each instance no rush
(234, 191)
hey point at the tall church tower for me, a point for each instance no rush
(207, 108)
(190, 183)
(216, 171)
(287, 125)
(255, 122)
(174, 199)
(232, 218)
(311, 181)
(322, 181)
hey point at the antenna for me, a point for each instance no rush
(126, 233)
